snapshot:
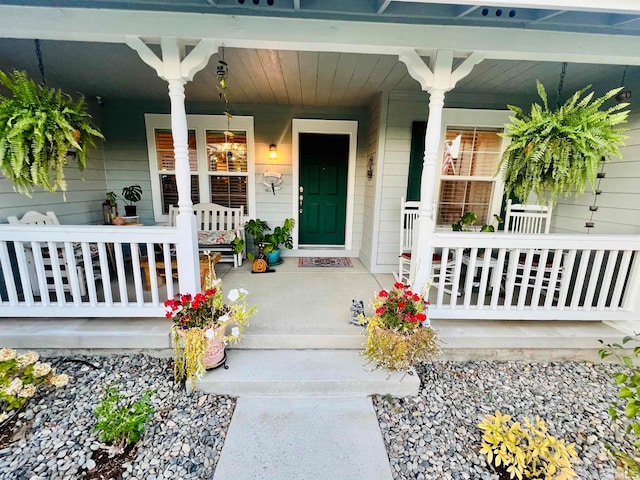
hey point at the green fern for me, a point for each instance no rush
(555, 153)
(37, 128)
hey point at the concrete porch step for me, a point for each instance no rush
(461, 339)
(300, 373)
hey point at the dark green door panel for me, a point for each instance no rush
(324, 160)
(416, 160)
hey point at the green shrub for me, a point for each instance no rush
(628, 379)
(121, 421)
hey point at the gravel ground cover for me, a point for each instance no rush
(183, 441)
(434, 436)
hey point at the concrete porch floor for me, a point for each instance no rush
(308, 308)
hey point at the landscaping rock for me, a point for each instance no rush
(435, 434)
(62, 443)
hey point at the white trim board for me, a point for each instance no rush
(465, 117)
(344, 127)
(113, 26)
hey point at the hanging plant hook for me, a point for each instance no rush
(563, 74)
(40, 62)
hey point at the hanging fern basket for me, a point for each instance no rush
(556, 152)
(39, 127)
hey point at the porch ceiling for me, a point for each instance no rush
(283, 77)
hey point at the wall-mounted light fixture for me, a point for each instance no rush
(273, 151)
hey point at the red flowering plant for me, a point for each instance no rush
(200, 319)
(400, 308)
(399, 333)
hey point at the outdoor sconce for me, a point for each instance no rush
(273, 151)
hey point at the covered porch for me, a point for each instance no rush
(309, 308)
(382, 82)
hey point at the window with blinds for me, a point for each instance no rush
(468, 173)
(167, 165)
(227, 167)
(218, 160)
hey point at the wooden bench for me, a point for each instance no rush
(160, 272)
(220, 222)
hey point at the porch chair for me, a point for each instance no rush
(50, 218)
(522, 218)
(408, 220)
(531, 219)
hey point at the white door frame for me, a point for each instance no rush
(342, 127)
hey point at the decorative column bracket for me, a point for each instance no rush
(172, 66)
(439, 73)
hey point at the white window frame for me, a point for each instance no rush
(478, 119)
(200, 124)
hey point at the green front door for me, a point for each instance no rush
(324, 159)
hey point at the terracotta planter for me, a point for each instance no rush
(214, 354)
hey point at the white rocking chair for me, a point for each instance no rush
(532, 219)
(408, 220)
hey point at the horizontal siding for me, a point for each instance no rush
(82, 204)
(618, 204)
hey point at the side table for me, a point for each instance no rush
(204, 269)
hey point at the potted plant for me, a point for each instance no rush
(555, 152)
(269, 244)
(256, 229)
(399, 334)
(202, 325)
(39, 126)
(132, 194)
(525, 451)
(281, 236)
(110, 208)
(467, 223)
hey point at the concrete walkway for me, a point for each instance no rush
(311, 438)
(304, 414)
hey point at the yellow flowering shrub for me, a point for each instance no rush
(525, 451)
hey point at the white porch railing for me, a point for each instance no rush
(84, 271)
(535, 277)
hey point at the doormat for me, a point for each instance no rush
(324, 262)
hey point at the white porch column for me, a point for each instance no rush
(421, 255)
(187, 250)
(437, 80)
(177, 70)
